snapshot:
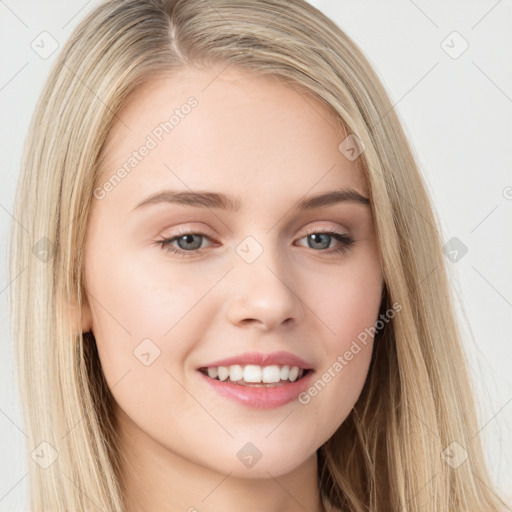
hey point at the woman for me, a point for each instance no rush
(255, 369)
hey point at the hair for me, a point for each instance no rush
(417, 398)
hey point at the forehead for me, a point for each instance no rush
(226, 129)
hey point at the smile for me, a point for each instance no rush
(255, 375)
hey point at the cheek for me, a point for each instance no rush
(347, 300)
(134, 299)
(146, 321)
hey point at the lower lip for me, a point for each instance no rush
(260, 397)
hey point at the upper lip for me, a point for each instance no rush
(262, 359)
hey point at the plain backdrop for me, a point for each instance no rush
(447, 68)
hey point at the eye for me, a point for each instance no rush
(187, 241)
(322, 240)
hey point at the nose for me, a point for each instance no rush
(264, 293)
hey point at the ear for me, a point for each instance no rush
(80, 317)
(86, 318)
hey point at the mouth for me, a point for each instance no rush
(258, 380)
(256, 376)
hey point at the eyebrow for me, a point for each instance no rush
(206, 199)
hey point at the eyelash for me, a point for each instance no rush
(346, 242)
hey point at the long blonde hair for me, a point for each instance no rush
(417, 400)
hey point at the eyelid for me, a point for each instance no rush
(180, 231)
(322, 228)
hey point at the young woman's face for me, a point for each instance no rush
(179, 283)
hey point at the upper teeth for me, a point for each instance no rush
(255, 373)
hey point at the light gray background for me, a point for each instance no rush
(457, 114)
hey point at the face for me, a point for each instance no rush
(179, 284)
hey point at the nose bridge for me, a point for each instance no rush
(259, 258)
(264, 284)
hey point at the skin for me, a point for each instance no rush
(270, 145)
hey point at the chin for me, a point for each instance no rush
(267, 461)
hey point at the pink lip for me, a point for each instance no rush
(260, 397)
(261, 359)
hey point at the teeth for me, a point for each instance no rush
(255, 374)
(271, 374)
(252, 373)
(294, 373)
(236, 372)
(223, 373)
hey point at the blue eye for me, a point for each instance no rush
(322, 240)
(187, 243)
(190, 243)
